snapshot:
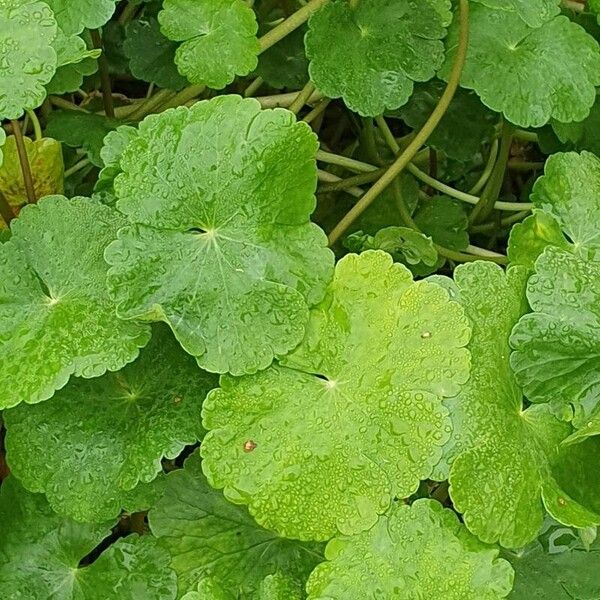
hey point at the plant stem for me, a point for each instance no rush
(183, 97)
(290, 24)
(146, 107)
(253, 87)
(317, 110)
(24, 160)
(344, 161)
(523, 165)
(128, 13)
(492, 188)
(489, 167)
(333, 179)
(510, 220)
(284, 100)
(84, 162)
(343, 184)
(406, 157)
(6, 211)
(526, 136)
(107, 98)
(65, 104)
(37, 128)
(305, 93)
(575, 6)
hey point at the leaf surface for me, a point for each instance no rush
(221, 246)
(353, 417)
(218, 39)
(98, 438)
(412, 552)
(207, 536)
(56, 319)
(371, 55)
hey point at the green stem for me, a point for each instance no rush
(349, 182)
(37, 128)
(523, 165)
(302, 98)
(77, 167)
(65, 104)
(317, 110)
(6, 211)
(422, 136)
(290, 24)
(107, 98)
(183, 97)
(506, 222)
(146, 107)
(24, 161)
(492, 188)
(332, 179)
(128, 14)
(489, 167)
(526, 136)
(253, 87)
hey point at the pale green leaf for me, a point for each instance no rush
(221, 247)
(209, 537)
(533, 12)
(353, 417)
(98, 438)
(40, 554)
(497, 446)
(74, 16)
(529, 74)
(371, 55)
(412, 552)
(27, 29)
(56, 319)
(218, 39)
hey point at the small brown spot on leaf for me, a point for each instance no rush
(249, 446)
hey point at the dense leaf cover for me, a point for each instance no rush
(299, 299)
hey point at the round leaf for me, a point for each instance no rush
(151, 55)
(533, 12)
(370, 55)
(412, 552)
(56, 319)
(529, 74)
(29, 61)
(355, 417)
(219, 39)
(98, 438)
(76, 15)
(40, 554)
(222, 248)
(209, 537)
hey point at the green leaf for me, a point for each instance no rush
(496, 445)
(285, 65)
(70, 77)
(569, 190)
(569, 574)
(534, 12)
(412, 552)
(56, 319)
(81, 130)
(98, 438)
(207, 536)
(466, 125)
(221, 247)
(529, 239)
(406, 245)
(115, 143)
(353, 417)
(529, 74)
(445, 221)
(47, 170)
(40, 554)
(76, 15)
(151, 55)
(556, 348)
(218, 39)
(371, 55)
(29, 61)
(582, 135)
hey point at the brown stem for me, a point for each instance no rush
(107, 98)
(6, 211)
(24, 160)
